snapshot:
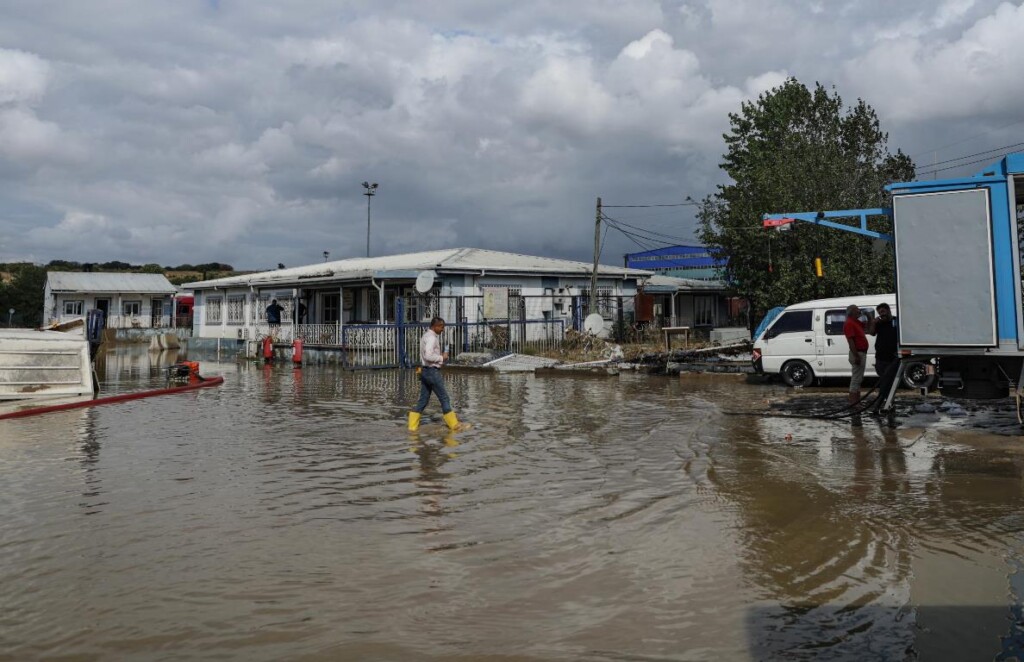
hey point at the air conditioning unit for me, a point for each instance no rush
(243, 333)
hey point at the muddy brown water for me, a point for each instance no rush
(288, 515)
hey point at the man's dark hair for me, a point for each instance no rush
(436, 320)
(884, 305)
(273, 301)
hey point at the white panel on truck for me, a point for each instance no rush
(944, 282)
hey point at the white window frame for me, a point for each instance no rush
(236, 310)
(137, 303)
(79, 307)
(212, 310)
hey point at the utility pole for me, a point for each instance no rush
(597, 255)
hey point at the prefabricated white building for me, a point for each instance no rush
(365, 290)
(126, 299)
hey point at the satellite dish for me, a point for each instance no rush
(425, 281)
(594, 323)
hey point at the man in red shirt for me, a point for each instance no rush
(854, 332)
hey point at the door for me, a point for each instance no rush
(790, 337)
(836, 350)
(156, 313)
(104, 305)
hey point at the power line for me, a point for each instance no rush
(967, 156)
(653, 233)
(644, 241)
(952, 167)
(640, 235)
(679, 204)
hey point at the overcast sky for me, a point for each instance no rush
(240, 131)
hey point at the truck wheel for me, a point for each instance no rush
(797, 373)
(916, 375)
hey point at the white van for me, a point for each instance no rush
(806, 342)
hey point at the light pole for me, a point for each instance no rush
(327, 255)
(10, 314)
(371, 190)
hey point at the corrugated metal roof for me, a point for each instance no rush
(448, 260)
(81, 281)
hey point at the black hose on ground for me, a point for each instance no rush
(848, 410)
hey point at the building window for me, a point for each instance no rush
(236, 310)
(213, 312)
(259, 308)
(131, 308)
(332, 308)
(704, 311)
(605, 301)
(73, 307)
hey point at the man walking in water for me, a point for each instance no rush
(431, 380)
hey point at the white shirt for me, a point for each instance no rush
(430, 350)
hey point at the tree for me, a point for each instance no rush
(796, 149)
(24, 293)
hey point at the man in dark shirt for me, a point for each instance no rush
(886, 330)
(274, 314)
(854, 332)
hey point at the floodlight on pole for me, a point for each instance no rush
(371, 190)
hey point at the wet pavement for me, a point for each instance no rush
(288, 515)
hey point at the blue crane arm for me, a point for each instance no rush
(820, 218)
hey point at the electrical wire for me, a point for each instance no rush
(968, 156)
(647, 231)
(953, 167)
(679, 204)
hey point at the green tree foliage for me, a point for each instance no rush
(793, 150)
(24, 293)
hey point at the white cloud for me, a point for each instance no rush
(916, 79)
(23, 76)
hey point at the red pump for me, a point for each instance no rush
(268, 348)
(297, 351)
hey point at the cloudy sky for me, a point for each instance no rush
(239, 131)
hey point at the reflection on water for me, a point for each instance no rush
(288, 514)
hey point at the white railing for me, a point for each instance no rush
(311, 334)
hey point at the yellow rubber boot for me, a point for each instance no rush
(414, 421)
(452, 421)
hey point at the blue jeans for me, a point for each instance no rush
(431, 381)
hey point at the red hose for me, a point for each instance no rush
(111, 399)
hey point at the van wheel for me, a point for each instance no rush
(916, 375)
(797, 373)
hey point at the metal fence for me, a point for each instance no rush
(520, 324)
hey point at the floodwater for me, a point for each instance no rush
(288, 515)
